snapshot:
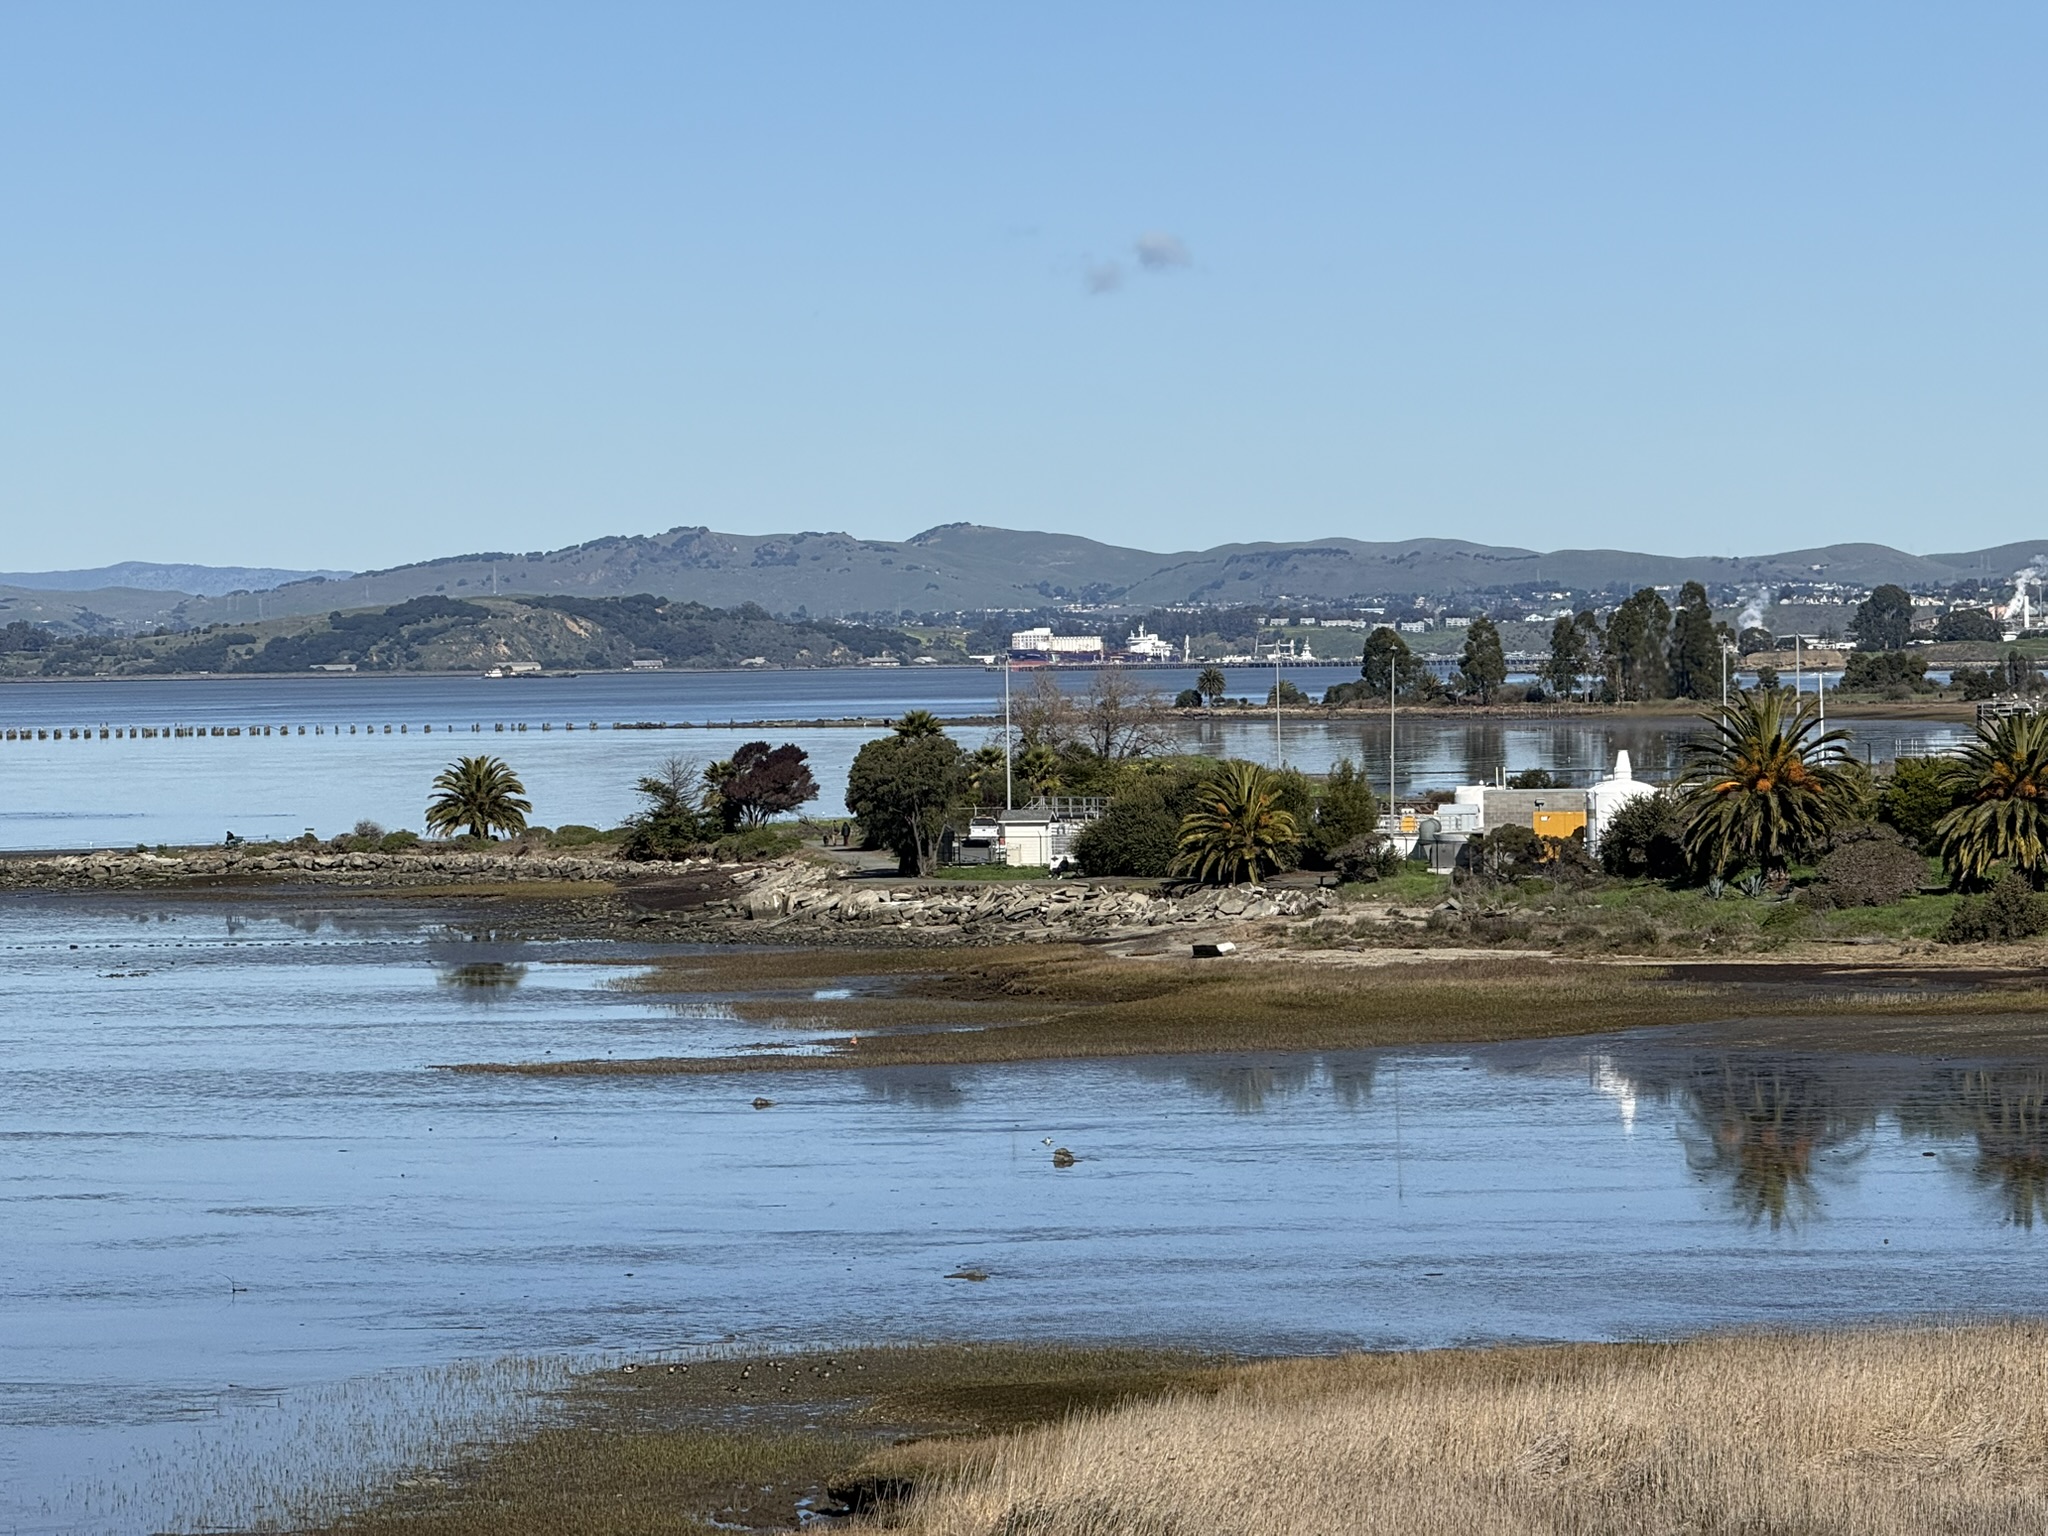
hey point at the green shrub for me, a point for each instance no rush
(398, 842)
(1138, 833)
(1365, 858)
(576, 835)
(1345, 811)
(1917, 795)
(757, 843)
(2010, 911)
(1187, 698)
(1870, 866)
(1641, 840)
(1135, 836)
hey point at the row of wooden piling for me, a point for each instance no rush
(151, 732)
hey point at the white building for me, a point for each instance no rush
(1553, 812)
(1609, 795)
(1039, 836)
(1041, 644)
(1143, 645)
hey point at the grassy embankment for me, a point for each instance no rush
(1877, 1433)
(1043, 1002)
(1611, 917)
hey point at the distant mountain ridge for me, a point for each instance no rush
(148, 576)
(967, 566)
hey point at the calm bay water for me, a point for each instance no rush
(90, 794)
(232, 1181)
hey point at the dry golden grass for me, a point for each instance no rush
(1878, 1434)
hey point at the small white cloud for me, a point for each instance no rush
(1104, 276)
(1161, 252)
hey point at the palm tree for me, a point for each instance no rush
(2000, 783)
(480, 793)
(919, 722)
(1210, 685)
(1237, 828)
(1038, 768)
(1769, 783)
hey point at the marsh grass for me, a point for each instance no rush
(1877, 1434)
(692, 1444)
(1041, 1002)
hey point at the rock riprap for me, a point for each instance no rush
(801, 894)
(789, 893)
(339, 868)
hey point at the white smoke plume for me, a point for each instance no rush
(1752, 615)
(2019, 610)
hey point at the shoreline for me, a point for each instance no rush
(1096, 973)
(1846, 707)
(1877, 1430)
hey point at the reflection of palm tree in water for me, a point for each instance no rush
(1760, 1127)
(2007, 1113)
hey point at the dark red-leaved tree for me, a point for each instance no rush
(760, 781)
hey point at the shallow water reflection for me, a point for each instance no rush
(1760, 1127)
(227, 1168)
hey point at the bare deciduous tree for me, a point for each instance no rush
(1121, 717)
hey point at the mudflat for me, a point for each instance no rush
(1043, 1002)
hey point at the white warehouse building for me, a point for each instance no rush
(1041, 644)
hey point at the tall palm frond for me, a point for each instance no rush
(2001, 782)
(1237, 828)
(1765, 786)
(481, 794)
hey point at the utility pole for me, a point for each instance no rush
(1393, 678)
(1798, 667)
(1276, 706)
(1009, 794)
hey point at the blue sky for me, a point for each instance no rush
(354, 285)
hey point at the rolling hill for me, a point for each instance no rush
(966, 566)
